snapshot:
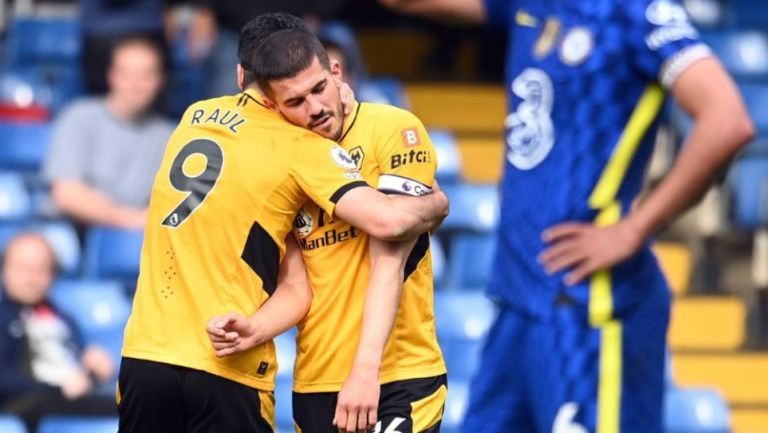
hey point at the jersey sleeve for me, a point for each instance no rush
(663, 41)
(406, 156)
(324, 171)
(498, 13)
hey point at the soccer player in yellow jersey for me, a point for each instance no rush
(360, 331)
(233, 177)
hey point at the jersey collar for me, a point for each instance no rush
(255, 96)
(349, 121)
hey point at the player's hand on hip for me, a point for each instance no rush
(583, 248)
(231, 333)
(358, 402)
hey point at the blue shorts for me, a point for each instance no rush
(565, 376)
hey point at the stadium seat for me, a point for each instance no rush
(462, 320)
(64, 82)
(474, 207)
(438, 260)
(23, 145)
(15, 202)
(744, 53)
(100, 308)
(749, 186)
(695, 410)
(393, 90)
(34, 41)
(63, 239)
(23, 92)
(448, 156)
(471, 260)
(78, 424)
(455, 406)
(11, 424)
(705, 13)
(112, 253)
(285, 346)
(284, 403)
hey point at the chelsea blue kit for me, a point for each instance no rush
(586, 82)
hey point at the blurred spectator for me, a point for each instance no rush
(44, 368)
(105, 23)
(105, 151)
(341, 44)
(217, 24)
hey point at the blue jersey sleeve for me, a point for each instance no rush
(662, 39)
(498, 13)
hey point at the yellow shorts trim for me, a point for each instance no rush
(429, 410)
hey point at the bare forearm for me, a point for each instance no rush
(418, 215)
(283, 310)
(711, 144)
(381, 301)
(86, 204)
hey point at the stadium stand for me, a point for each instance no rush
(112, 254)
(76, 424)
(11, 424)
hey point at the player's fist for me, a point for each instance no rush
(231, 333)
(358, 402)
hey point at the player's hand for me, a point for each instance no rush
(98, 361)
(347, 98)
(231, 333)
(584, 248)
(358, 402)
(77, 385)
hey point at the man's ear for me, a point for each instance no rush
(336, 73)
(240, 77)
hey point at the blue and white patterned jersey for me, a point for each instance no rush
(586, 82)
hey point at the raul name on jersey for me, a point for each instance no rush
(304, 226)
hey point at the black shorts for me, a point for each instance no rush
(154, 397)
(407, 406)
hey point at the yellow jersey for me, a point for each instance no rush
(392, 150)
(233, 177)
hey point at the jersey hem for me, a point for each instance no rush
(335, 386)
(226, 373)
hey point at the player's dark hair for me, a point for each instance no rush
(259, 29)
(285, 54)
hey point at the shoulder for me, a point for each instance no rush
(85, 108)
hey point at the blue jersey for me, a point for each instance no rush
(586, 82)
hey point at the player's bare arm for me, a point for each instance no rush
(392, 217)
(234, 333)
(721, 128)
(470, 11)
(359, 397)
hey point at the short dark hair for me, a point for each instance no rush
(285, 54)
(258, 30)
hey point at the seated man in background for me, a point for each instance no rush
(104, 151)
(44, 368)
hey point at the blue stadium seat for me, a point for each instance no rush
(756, 99)
(23, 145)
(15, 202)
(112, 253)
(695, 410)
(285, 346)
(11, 424)
(462, 320)
(473, 207)
(438, 260)
(455, 406)
(705, 13)
(392, 89)
(63, 239)
(33, 41)
(749, 187)
(100, 308)
(471, 260)
(64, 82)
(284, 403)
(78, 424)
(448, 157)
(744, 53)
(23, 90)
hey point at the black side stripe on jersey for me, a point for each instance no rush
(417, 254)
(263, 256)
(345, 189)
(352, 125)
